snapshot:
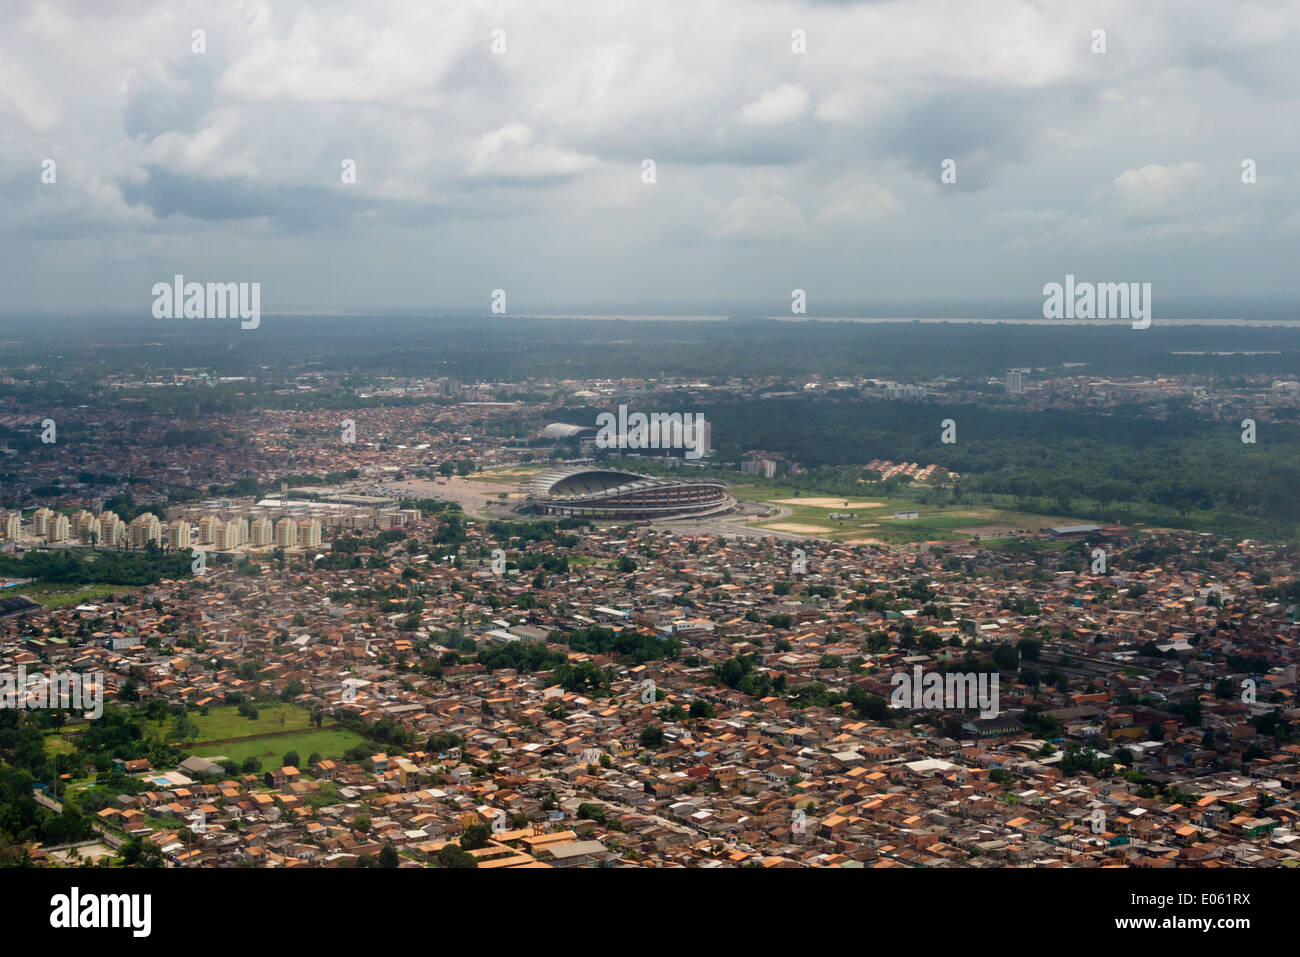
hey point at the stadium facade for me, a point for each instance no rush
(587, 492)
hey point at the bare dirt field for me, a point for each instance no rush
(797, 529)
(469, 495)
(90, 852)
(827, 503)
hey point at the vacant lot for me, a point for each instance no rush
(271, 750)
(56, 596)
(507, 476)
(278, 728)
(826, 502)
(873, 521)
(795, 528)
(225, 721)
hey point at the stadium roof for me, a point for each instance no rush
(584, 481)
(563, 430)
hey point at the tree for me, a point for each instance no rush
(184, 728)
(140, 853)
(701, 709)
(652, 737)
(388, 857)
(475, 836)
(291, 759)
(452, 855)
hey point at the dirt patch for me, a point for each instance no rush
(863, 541)
(796, 529)
(826, 502)
(86, 853)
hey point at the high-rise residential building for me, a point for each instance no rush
(1015, 381)
(309, 532)
(145, 529)
(81, 525)
(286, 533)
(696, 437)
(179, 534)
(231, 534)
(13, 526)
(261, 532)
(208, 526)
(41, 522)
(109, 529)
(58, 529)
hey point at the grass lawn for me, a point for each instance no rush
(261, 738)
(56, 596)
(876, 521)
(225, 721)
(270, 751)
(54, 743)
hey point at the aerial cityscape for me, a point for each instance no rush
(778, 436)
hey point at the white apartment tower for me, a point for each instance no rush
(286, 533)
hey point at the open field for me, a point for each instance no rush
(56, 596)
(265, 737)
(467, 494)
(873, 520)
(90, 852)
(508, 476)
(831, 503)
(224, 721)
(270, 751)
(55, 744)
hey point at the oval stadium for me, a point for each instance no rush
(614, 494)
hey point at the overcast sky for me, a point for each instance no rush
(522, 170)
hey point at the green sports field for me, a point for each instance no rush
(874, 509)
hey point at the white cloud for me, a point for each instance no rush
(1056, 147)
(510, 151)
(1157, 191)
(856, 202)
(760, 218)
(785, 104)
